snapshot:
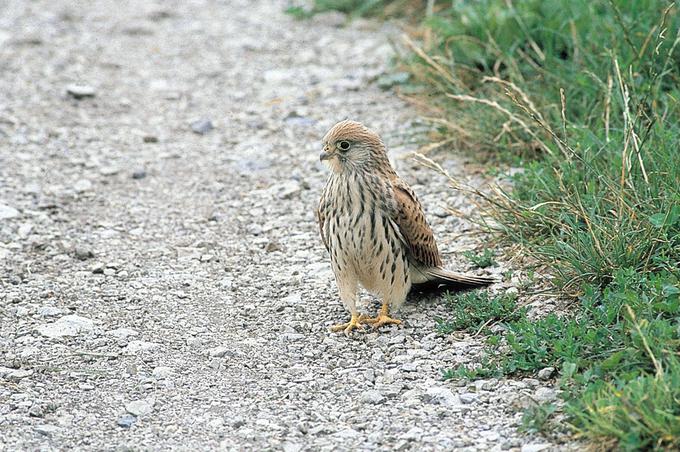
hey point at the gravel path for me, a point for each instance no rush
(163, 285)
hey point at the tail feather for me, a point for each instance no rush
(452, 280)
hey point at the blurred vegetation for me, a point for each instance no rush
(583, 95)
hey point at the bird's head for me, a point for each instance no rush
(351, 146)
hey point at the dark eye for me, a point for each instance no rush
(343, 145)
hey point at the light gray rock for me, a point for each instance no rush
(14, 374)
(217, 352)
(49, 311)
(468, 397)
(543, 395)
(162, 372)
(69, 325)
(80, 91)
(122, 333)
(82, 186)
(140, 346)
(140, 407)
(372, 397)
(126, 420)
(47, 429)
(202, 126)
(7, 212)
(441, 396)
(546, 373)
(534, 447)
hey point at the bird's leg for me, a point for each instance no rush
(347, 328)
(347, 286)
(382, 319)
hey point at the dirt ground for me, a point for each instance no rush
(162, 283)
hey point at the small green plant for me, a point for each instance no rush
(536, 418)
(476, 310)
(483, 260)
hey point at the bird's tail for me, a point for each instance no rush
(438, 277)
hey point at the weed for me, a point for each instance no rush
(483, 260)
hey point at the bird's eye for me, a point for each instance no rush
(343, 145)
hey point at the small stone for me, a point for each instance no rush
(414, 434)
(140, 407)
(122, 333)
(150, 139)
(510, 444)
(36, 411)
(109, 170)
(80, 91)
(162, 372)
(442, 396)
(140, 346)
(139, 174)
(398, 339)
(295, 119)
(83, 253)
(14, 374)
(226, 283)
(82, 186)
(238, 422)
(292, 447)
(47, 429)
(49, 311)
(409, 367)
(126, 421)
(441, 212)
(543, 395)
(202, 126)
(25, 230)
(70, 325)
(109, 271)
(7, 212)
(286, 190)
(273, 246)
(546, 373)
(97, 268)
(372, 396)
(534, 447)
(468, 397)
(217, 352)
(207, 257)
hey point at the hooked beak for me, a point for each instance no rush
(325, 156)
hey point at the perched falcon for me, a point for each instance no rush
(374, 228)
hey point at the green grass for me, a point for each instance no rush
(483, 260)
(584, 95)
(474, 311)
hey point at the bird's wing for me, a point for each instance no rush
(413, 226)
(321, 218)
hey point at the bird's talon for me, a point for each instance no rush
(347, 328)
(381, 320)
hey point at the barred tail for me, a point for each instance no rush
(438, 277)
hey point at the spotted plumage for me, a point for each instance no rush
(373, 226)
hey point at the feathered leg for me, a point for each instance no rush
(348, 294)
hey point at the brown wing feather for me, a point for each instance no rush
(320, 218)
(413, 226)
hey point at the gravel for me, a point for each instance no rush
(203, 323)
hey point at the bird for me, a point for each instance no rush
(374, 228)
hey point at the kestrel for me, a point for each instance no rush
(374, 227)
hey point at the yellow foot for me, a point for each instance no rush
(382, 319)
(347, 328)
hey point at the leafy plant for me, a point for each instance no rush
(483, 260)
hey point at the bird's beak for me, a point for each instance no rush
(325, 156)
